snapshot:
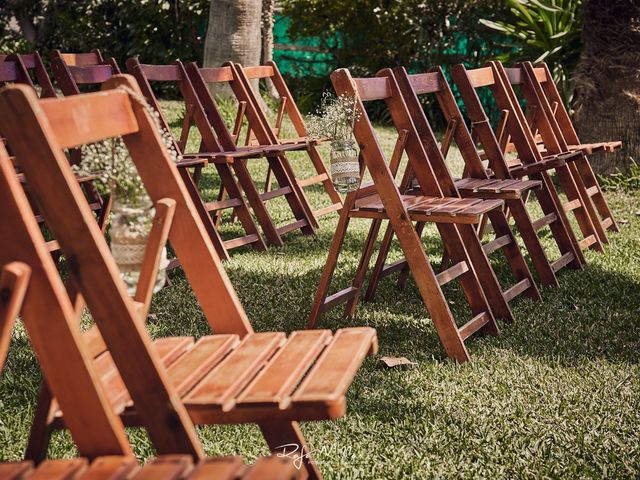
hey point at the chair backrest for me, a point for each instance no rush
(33, 64)
(435, 83)
(384, 173)
(287, 105)
(72, 70)
(546, 110)
(52, 326)
(513, 119)
(227, 74)
(200, 107)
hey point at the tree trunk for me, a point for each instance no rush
(608, 81)
(268, 10)
(233, 34)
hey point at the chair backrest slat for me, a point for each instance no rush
(76, 121)
(9, 72)
(90, 73)
(425, 82)
(260, 71)
(481, 77)
(376, 88)
(82, 59)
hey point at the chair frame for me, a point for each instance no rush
(211, 153)
(287, 106)
(275, 154)
(556, 118)
(513, 125)
(477, 181)
(39, 136)
(382, 200)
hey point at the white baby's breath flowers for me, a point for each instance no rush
(110, 163)
(335, 117)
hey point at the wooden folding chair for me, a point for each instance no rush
(15, 69)
(541, 94)
(478, 182)
(194, 114)
(73, 70)
(23, 252)
(288, 107)
(382, 200)
(530, 161)
(235, 376)
(275, 154)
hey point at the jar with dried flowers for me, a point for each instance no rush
(334, 121)
(132, 211)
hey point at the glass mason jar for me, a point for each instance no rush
(345, 169)
(130, 227)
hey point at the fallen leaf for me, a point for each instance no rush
(396, 361)
(623, 221)
(152, 317)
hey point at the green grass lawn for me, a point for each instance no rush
(556, 395)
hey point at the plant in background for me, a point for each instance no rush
(334, 120)
(543, 31)
(110, 163)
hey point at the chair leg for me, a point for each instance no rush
(329, 267)
(574, 190)
(296, 199)
(486, 275)
(474, 293)
(287, 439)
(591, 182)
(242, 211)
(257, 205)
(561, 229)
(204, 215)
(517, 263)
(41, 428)
(363, 267)
(590, 207)
(532, 242)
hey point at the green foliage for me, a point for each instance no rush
(367, 35)
(622, 181)
(543, 31)
(157, 30)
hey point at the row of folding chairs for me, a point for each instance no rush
(113, 375)
(230, 149)
(521, 157)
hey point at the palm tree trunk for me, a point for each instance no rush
(608, 81)
(268, 10)
(233, 34)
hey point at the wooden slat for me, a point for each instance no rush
(496, 244)
(328, 209)
(278, 192)
(199, 360)
(473, 325)
(425, 82)
(275, 383)
(572, 205)
(167, 467)
(292, 226)
(452, 273)
(217, 74)
(236, 370)
(14, 470)
(338, 297)
(162, 73)
(260, 71)
(563, 261)
(59, 469)
(8, 72)
(77, 120)
(219, 468)
(593, 190)
(91, 73)
(373, 88)
(481, 77)
(607, 222)
(517, 289)
(113, 467)
(274, 467)
(330, 377)
(305, 182)
(587, 242)
(222, 204)
(241, 241)
(544, 221)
